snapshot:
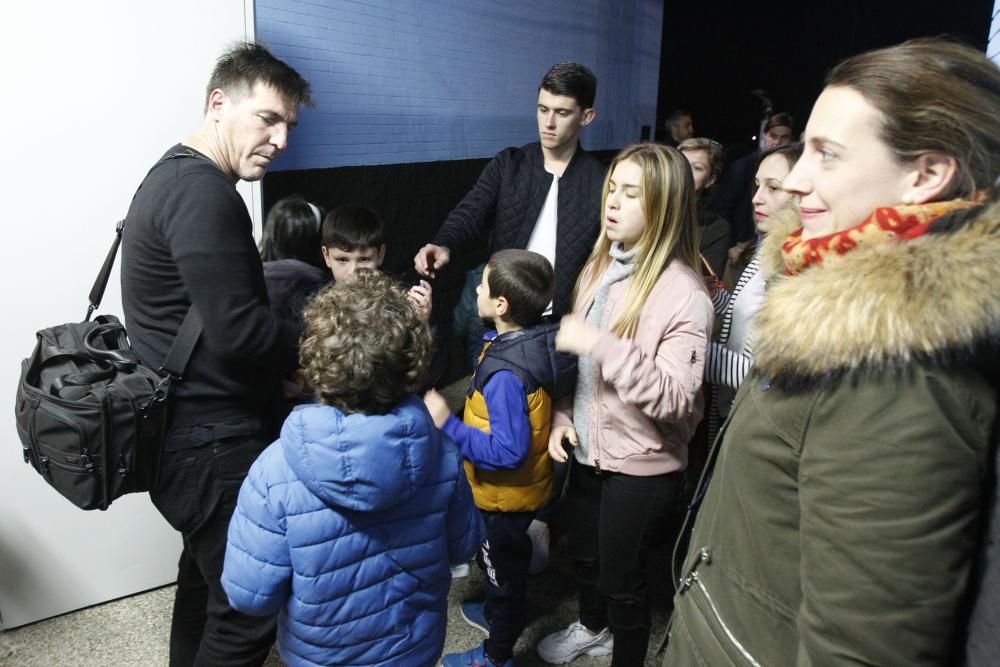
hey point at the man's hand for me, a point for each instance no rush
(437, 406)
(576, 336)
(430, 258)
(420, 297)
(556, 437)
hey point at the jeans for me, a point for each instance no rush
(504, 557)
(615, 519)
(202, 471)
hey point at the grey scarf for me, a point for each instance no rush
(620, 268)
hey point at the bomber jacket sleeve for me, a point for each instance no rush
(509, 439)
(211, 242)
(663, 386)
(471, 219)
(257, 572)
(891, 478)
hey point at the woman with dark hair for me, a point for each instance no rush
(291, 251)
(735, 190)
(842, 513)
(731, 354)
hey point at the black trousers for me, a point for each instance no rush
(504, 557)
(203, 468)
(616, 517)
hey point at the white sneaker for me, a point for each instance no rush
(569, 644)
(538, 533)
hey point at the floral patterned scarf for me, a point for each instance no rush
(885, 225)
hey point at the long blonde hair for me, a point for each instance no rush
(670, 232)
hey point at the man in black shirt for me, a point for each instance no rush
(188, 244)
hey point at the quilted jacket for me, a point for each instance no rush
(345, 527)
(508, 198)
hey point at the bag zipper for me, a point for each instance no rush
(692, 580)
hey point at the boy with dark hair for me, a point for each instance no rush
(346, 525)
(545, 197)
(504, 439)
(354, 238)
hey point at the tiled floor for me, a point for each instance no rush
(134, 630)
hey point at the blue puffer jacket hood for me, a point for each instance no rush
(345, 528)
(361, 462)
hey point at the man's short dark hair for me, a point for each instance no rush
(247, 64)
(353, 227)
(571, 80)
(525, 279)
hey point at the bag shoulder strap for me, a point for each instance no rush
(187, 336)
(101, 283)
(180, 352)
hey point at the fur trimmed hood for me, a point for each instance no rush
(931, 298)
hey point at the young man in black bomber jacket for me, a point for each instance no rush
(544, 196)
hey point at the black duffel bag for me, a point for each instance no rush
(90, 414)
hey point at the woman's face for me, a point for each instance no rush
(701, 169)
(623, 215)
(846, 170)
(769, 197)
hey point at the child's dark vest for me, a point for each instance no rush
(529, 486)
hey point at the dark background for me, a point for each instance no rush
(714, 53)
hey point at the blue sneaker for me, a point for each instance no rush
(474, 614)
(473, 658)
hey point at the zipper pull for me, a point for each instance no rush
(704, 556)
(597, 465)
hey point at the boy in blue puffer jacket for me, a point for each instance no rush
(346, 525)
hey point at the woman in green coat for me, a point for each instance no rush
(843, 521)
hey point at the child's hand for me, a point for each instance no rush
(556, 437)
(437, 406)
(420, 296)
(576, 336)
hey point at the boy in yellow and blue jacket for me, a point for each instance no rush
(503, 438)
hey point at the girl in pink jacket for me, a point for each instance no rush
(640, 325)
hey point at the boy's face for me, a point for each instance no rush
(343, 263)
(486, 304)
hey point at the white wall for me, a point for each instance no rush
(93, 93)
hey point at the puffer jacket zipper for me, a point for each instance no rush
(693, 580)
